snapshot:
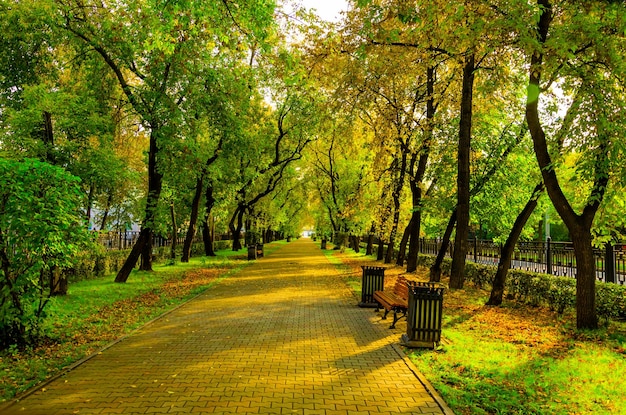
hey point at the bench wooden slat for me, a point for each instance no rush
(396, 301)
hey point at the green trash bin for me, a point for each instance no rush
(373, 280)
(423, 320)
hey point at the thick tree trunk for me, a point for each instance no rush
(143, 246)
(586, 317)
(418, 176)
(174, 237)
(193, 220)
(457, 271)
(208, 236)
(105, 214)
(499, 281)
(435, 269)
(579, 226)
(380, 252)
(135, 253)
(396, 196)
(208, 226)
(370, 241)
(90, 196)
(403, 242)
(236, 229)
(411, 263)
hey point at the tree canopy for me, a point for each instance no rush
(405, 119)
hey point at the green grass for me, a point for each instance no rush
(97, 311)
(520, 359)
(476, 375)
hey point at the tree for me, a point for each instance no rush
(587, 60)
(340, 178)
(281, 125)
(40, 229)
(158, 61)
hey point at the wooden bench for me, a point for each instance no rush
(396, 301)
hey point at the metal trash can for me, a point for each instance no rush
(324, 243)
(251, 252)
(373, 280)
(260, 251)
(423, 320)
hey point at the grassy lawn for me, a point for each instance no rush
(514, 359)
(96, 312)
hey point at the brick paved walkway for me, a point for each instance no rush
(282, 336)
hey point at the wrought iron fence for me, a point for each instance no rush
(555, 258)
(126, 239)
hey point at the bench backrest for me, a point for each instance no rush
(401, 289)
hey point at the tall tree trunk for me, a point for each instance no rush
(380, 251)
(418, 176)
(370, 241)
(174, 237)
(90, 195)
(356, 243)
(105, 214)
(208, 236)
(369, 250)
(208, 226)
(57, 281)
(457, 272)
(135, 253)
(579, 226)
(143, 245)
(586, 317)
(48, 138)
(236, 229)
(435, 268)
(193, 219)
(403, 242)
(499, 281)
(396, 196)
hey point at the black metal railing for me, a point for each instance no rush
(555, 258)
(126, 239)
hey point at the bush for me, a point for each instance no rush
(41, 232)
(100, 261)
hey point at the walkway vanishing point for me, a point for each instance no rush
(281, 336)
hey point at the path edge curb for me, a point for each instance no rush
(427, 385)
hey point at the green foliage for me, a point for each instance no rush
(610, 300)
(40, 231)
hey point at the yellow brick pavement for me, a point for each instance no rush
(282, 336)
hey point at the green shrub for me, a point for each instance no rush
(41, 232)
(610, 300)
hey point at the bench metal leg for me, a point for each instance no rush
(385, 315)
(396, 318)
